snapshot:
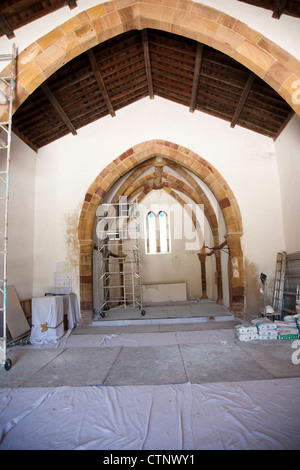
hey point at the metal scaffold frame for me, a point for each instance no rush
(118, 257)
(6, 97)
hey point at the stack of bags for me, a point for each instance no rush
(288, 328)
(297, 308)
(266, 328)
(245, 332)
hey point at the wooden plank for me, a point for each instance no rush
(58, 108)
(243, 98)
(16, 321)
(197, 71)
(147, 63)
(100, 82)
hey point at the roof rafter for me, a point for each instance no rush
(100, 82)
(197, 71)
(279, 8)
(5, 26)
(243, 98)
(58, 108)
(72, 4)
(147, 62)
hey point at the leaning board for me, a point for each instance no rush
(16, 321)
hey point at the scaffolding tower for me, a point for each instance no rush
(118, 257)
(6, 98)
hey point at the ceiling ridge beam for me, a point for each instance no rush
(196, 78)
(100, 82)
(145, 42)
(243, 98)
(58, 108)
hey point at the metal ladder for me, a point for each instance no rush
(279, 282)
(6, 97)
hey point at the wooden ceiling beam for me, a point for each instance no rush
(279, 8)
(6, 28)
(284, 124)
(147, 63)
(197, 71)
(72, 4)
(243, 98)
(58, 108)
(100, 82)
(24, 139)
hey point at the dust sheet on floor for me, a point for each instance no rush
(262, 414)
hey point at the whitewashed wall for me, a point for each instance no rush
(287, 149)
(21, 218)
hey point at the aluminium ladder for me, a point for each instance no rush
(279, 283)
(6, 98)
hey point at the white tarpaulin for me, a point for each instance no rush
(263, 414)
(47, 320)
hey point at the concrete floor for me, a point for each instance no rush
(169, 345)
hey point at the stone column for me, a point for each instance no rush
(236, 273)
(202, 259)
(86, 280)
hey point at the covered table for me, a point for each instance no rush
(47, 320)
(71, 309)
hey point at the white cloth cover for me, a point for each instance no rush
(71, 309)
(262, 414)
(47, 320)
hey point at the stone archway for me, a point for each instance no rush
(199, 22)
(186, 159)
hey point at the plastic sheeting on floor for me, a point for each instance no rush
(263, 414)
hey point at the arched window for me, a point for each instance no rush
(157, 233)
(151, 233)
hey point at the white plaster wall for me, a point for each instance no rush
(287, 148)
(21, 218)
(66, 168)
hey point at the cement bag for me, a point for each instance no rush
(285, 324)
(242, 329)
(286, 334)
(265, 324)
(270, 334)
(247, 336)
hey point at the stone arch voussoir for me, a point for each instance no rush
(202, 23)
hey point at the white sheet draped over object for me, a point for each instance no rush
(47, 320)
(71, 309)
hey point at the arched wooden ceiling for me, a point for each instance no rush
(134, 65)
(144, 63)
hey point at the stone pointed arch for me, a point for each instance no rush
(199, 22)
(184, 158)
